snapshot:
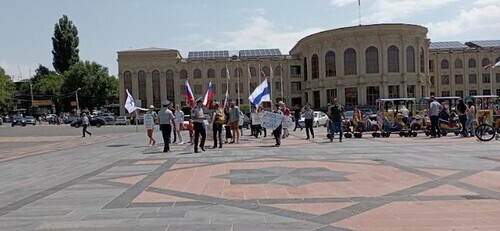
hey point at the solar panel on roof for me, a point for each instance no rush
(260, 53)
(207, 54)
(447, 45)
(486, 43)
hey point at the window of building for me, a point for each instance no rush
(238, 72)
(197, 74)
(253, 72)
(472, 78)
(393, 91)
(198, 89)
(472, 92)
(458, 63)
(330, 69)
(315, 66)
(170, 86)
(497, 77)
(214, 88)
(486, 92)
(393, 59)
(445, 79)
(371, 57)
(372, 94)
(472, 63)
(305, 69)
(127, 81)
(410, 59)
(183, 74)
(445, 93)
(485, 62)
(351, 96)
(156, 89)
(296, 87)
(445, 64)
(267, 71)
(225, 87)
(498, 92)
(277, 86)
(350, 67)
(422, 60)
(295, 70)
(486, 78)
(223, 73)
(142, 88)
(211, 73)
(316, 99)
(459, 79)
(431, 66)
(459, 94)
(433, 81)
(410, 89)
(331, 94)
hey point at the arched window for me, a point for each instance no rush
(393, 59)
(277, 71)
(350, 67)
(410, 59)
(485, 62)
(267, 71)
(497, 60)
(197, 74)
(445, 64)
(211, 73)
(156, 89)
(238, 72)
(223, 73)
(305, 69)
(458, 63)
(170, 86)
(472, 63)
(142, 88)
(183, 74)
(330, 69)
(315, 66)
(422, 60)
(253, 72)
(371, 57)
(127, 81)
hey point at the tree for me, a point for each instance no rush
(6, 91)
(40, 72)
(95, 83)
(50, 84)
(65, 45)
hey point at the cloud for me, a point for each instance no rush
(259, 32)
(341, 3)
(16, 72)
(396, 10)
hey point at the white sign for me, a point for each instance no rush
(149, 121)
(257, 118)
(272, 120)
(287, 122)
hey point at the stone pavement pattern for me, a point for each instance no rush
(361, 184)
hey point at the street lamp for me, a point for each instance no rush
(77, 103)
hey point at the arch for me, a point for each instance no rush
(350, 66)
(238, 72)
(371, 59)
(393, 59)
(315, 66)
(458, 63)
(141, 79)
(127, 81)
(497, 60)
(445, 64)
(183, 74)
(485, 62)
(156, 89)
(170, 85)
(253, 72)
(223, 73)
(472, 63)
(267, 71)
(211, 73)
(330, 69)
(410, 59)
(197, 73)
(422, 60)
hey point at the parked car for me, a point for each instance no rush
(69, 119)
(18, 120)
(140, 120)
(94, 121)
(320, 119)
(30, 120)
(122, 120)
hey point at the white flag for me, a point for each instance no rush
(130, 103)
(496, 64)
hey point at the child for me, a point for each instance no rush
(191, 131)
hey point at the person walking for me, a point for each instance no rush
(287, 113)
(435, 109)
(297, 114)
(277, 131)
(337, 115)
(234, 119)
(260, 112)
(308, 120)
(462, 116)
(198, 118)
(166, 120)
(179, 123)
(151, 118)
(218, 121)
(85, 124)
(471, 116)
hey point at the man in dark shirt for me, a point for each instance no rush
(336, 112)
(296, 114)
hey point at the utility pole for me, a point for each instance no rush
(31, 90)
(77, 103)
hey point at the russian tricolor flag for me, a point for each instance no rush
(189, 94)
(208, 96)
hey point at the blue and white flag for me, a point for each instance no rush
(260, 94)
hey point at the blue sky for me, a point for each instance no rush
(108, 26)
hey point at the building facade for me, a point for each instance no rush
(355, 64)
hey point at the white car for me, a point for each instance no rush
(320, 119)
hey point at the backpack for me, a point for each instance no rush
(220, 117)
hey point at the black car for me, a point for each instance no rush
(18, 120)
(94, 121)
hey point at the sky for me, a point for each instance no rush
(108, 26)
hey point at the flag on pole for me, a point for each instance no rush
(189, 94)
(226, 96)
(249, 72)
(227, 73)
(488, 66)
(497, 64)
(260, 94)
(262, 73)
(130, 104)
(209, 95)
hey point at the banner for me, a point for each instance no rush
(257, 118)
(272, 120)
(287, 122)
(149, 121)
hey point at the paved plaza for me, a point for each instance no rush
(53, 179)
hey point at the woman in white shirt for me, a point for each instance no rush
(179, 122)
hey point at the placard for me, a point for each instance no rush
(257, 118)
(272, 120)
(287, 122)
(149, 121)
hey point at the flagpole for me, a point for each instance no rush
(271, 92)
(136, 121)
(359, 11)
(281, 81)
(491, 79)
(227, 80)
(259, 73)
(249, 76)
(238, 82)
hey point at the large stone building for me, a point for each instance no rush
(355, 64)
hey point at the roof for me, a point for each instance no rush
(484, 44)
(240, 53)
(147, 49)
(448, 45)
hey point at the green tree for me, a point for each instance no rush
(65, 45)
(96, 86)
(6, 91)
(50, 84)
(40, 72)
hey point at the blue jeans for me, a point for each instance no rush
(336, 126)
(470, 125)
